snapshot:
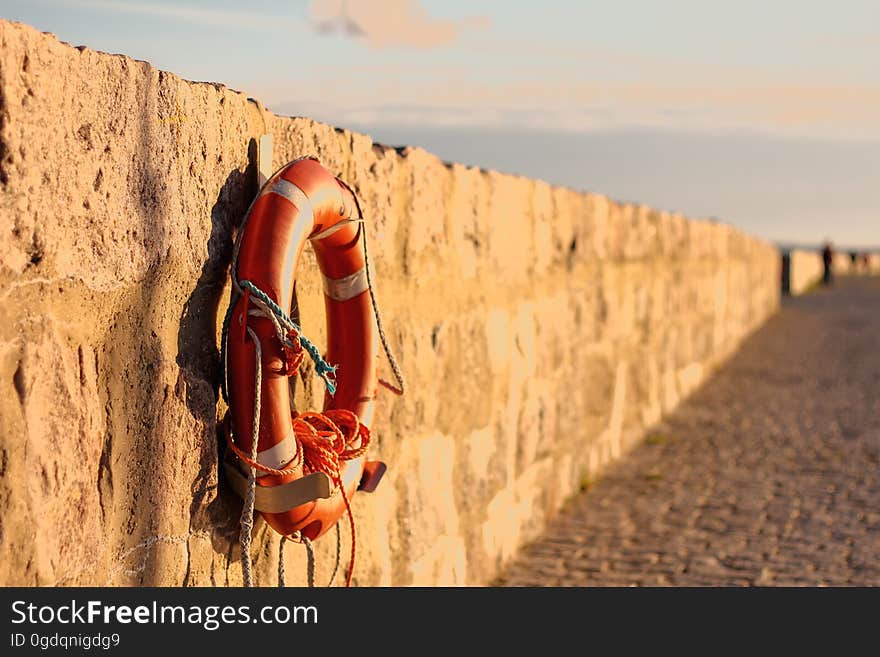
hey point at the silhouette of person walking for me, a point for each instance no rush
(827, 258)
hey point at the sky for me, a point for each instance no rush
(764, 114)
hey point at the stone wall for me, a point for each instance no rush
(805, 270)
(866, 264)
(541, 330)
(841, 264)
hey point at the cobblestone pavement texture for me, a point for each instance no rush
(768, 475)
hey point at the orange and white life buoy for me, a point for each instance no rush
(306, 466)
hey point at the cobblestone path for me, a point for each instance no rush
(768, 475)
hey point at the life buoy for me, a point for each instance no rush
(302, 202)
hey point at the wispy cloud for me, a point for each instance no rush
(387, 23)
(824, 110)
(862, 40)
(195, 15)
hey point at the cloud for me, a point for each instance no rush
(389, 23)
(819, 110)
(195, 15)
(846, 41)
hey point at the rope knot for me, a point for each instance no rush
(293, 353)
(265, 306)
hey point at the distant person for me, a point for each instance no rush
(827, 258)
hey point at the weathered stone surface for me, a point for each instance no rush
(766, 476)
(541, 331)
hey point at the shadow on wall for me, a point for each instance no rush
(133, 347)
(199, 358)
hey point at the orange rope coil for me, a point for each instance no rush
(320, 439)
(324, 441)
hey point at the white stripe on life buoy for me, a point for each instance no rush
(277, 456)
(291, 192)
(347, 287)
